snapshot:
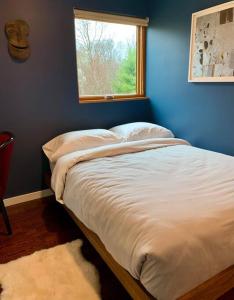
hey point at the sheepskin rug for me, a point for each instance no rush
(59, 273)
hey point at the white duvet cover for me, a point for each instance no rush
(163, 209)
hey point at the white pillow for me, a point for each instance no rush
(141, 131)
(79, 140)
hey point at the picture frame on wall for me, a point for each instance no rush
(212, 45)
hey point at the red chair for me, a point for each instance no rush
(6, 147)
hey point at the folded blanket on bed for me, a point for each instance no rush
(68, 161)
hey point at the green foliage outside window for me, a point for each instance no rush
(105, 66)
(125, 80)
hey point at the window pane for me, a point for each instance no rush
(106, 58)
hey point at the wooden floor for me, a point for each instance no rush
(43, 224)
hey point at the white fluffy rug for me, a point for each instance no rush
(59, 273)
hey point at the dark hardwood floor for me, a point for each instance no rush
(42, 224)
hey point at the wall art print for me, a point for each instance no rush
(212, 45)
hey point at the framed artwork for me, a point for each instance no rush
(212, 45)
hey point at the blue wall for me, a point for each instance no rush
(38, 98)
(203, 113)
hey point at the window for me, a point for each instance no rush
(110, 56)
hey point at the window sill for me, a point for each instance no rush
(103, 100)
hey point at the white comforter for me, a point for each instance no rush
(163, 209)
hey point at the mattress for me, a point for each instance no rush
(162, 208)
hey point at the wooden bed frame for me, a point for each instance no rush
(211, 289)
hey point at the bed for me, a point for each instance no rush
(159, 211)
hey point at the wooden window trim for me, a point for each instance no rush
(112, 18)
(122, 98)
(141, 60)
(140, 76)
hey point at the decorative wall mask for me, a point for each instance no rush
(17, 33)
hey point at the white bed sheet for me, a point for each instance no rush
(165, 211)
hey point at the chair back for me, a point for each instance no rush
(6, 147)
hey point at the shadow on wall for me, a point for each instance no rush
(39, 98)
(202, 113)
(115, 114)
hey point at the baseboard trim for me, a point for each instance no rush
(27, 197)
